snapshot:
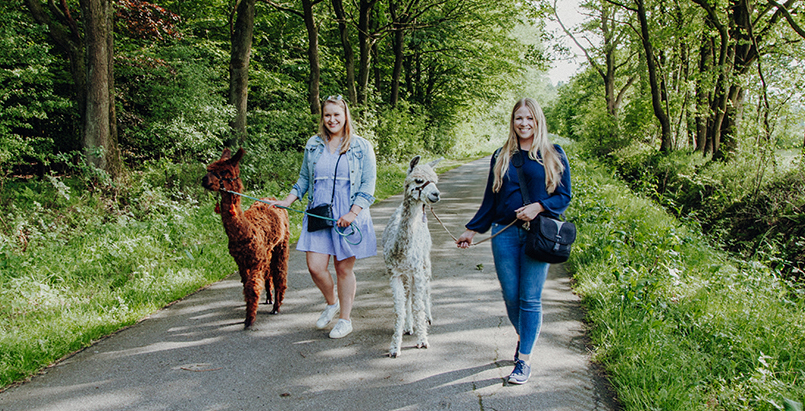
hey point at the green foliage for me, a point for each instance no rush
(171, 101)
(399, 133)
(27, 98)
(742, 204)
(678, 325)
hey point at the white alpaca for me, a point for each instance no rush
(406, 250)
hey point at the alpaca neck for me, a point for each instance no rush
(231, 211)
(413, 214)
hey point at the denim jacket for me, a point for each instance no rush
(362, 170)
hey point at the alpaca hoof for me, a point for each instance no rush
(275, 311)
(393, 355)
(422, 345)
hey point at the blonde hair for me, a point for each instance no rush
(542, 150)
(325, 133)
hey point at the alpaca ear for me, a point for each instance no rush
(238, 155)
(433, 163)
(226, 154)
(414, 162)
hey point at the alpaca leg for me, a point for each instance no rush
(428, 315)
(419, 289)
(269, 286)
(265, 274)
(279, 274)
(398, 292)
(409, 312)
(251, 293)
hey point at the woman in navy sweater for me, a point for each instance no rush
(547, 175)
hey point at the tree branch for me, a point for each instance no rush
(790, 19)
(590, 59)
(283, 7)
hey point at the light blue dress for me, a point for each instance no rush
(328, 241)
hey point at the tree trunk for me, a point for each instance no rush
(349, 55)
(312, 56)
(702, 94)
(365, 45)
(100, 132)
(240, 56)
(656, 92)
(398, 43)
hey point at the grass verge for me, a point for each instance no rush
(677, 324)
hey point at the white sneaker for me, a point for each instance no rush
(327, 315)
(342, 329)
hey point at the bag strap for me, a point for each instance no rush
(335, 174)
(518, 164)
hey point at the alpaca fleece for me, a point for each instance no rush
(406, 251)
(258, 237)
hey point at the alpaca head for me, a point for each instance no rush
(420, 184)
(224, 173)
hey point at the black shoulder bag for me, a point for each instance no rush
(321, 216)
(548, 239)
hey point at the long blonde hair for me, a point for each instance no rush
(325, 133)
(542, 150)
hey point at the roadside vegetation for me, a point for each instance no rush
(678, 324)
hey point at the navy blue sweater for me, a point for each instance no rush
(499, 207)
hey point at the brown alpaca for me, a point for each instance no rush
(258, 237)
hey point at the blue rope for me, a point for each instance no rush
(353, 228)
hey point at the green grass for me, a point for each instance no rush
(678, 325)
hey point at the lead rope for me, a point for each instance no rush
(479, 242)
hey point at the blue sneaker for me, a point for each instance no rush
(521, 373)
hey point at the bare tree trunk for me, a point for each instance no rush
(100, 131)
(240, 55)
(702, 94)
(113, 148)
(656, 92)
(349, 55)
(365, 44)
(312, 56)
(399, 20)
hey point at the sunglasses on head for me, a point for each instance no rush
(334, 98)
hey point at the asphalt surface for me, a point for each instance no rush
(195, 354)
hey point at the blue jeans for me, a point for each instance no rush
(521, 280)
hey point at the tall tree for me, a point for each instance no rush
(91, 55)
(658, 97)
(366, 40)
(611, 36)
(733, 22)
(312, 48)
(240, 54)
(349, 54)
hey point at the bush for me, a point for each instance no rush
(169, 106)
(400, 133)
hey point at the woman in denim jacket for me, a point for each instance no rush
(338, 168)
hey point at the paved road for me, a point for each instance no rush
(195, 355)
